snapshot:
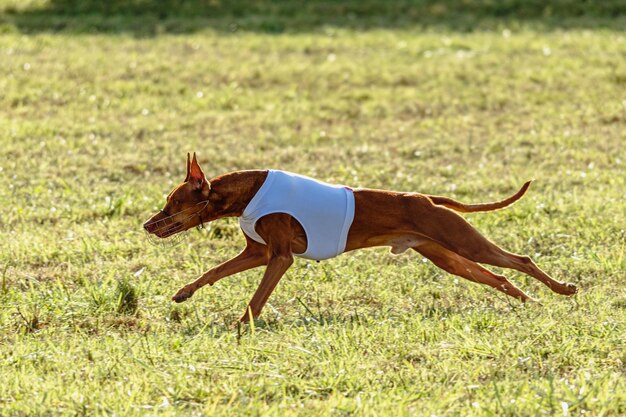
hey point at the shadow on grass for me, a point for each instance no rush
(154, 17)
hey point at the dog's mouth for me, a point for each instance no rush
(169, 230)
(164, 230)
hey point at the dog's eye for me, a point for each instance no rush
(176, 202)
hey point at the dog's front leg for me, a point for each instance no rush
(276, 268)
(276, 230)
(254, 255)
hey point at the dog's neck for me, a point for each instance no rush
(230, 193)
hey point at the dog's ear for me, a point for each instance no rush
(196, 176)
(188, 167)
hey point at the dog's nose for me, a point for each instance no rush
(146, 226)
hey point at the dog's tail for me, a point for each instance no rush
(470, 208)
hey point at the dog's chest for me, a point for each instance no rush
(324, 211)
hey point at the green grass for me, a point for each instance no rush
(96, 119)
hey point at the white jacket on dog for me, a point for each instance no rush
(325, 211)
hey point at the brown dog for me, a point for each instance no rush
(403, 221)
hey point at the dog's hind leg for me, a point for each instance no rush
(460, 266)
(456, 234)
(522, 263)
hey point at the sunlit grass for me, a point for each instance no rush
(94, 130)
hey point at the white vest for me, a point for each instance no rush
(325, 211)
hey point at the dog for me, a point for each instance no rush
(363, 218)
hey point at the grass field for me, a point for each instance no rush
(98, 108)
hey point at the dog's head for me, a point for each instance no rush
(186, 205)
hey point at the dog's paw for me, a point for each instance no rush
(182, 294)
(246, 317)
(570, 289)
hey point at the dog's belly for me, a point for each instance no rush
(400, 244)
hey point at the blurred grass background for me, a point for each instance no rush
(150, 17)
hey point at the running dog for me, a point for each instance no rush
(284, 215)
